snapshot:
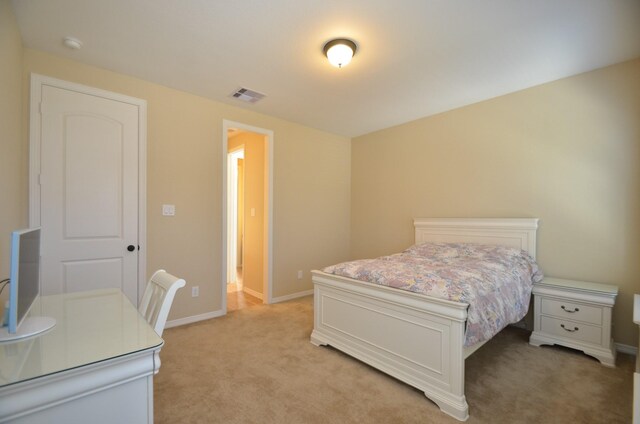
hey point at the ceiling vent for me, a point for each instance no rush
(247, 95)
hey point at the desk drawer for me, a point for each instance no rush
(573, 311)
(571, 330)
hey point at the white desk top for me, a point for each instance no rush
(91, 327)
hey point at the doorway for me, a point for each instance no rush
(247, 220)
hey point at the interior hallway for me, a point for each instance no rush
(236, 298)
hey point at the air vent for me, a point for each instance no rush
(247, 95)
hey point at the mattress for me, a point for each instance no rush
(495, 281)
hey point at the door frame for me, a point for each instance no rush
(37, 83)
(267, 278)
(232, 213)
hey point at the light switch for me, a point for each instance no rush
(253, 211)
(168, 210)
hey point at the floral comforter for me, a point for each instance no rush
(495, 281)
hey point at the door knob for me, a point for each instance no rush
(131, 248)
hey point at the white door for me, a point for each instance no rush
(88, 192)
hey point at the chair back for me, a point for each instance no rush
(158, 297)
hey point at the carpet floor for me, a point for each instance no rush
(256, 365)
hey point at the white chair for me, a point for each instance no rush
(158, 297)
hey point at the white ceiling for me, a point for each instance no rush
(416, 57)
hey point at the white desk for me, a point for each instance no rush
(95, 366)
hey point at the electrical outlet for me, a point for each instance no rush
(195, 291)
(168, 210)
(299, 275)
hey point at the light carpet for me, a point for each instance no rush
(256, 365)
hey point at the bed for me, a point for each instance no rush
(415, 338)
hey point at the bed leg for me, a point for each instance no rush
(458, 410)
(317, 341)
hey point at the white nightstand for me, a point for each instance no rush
(575, 314)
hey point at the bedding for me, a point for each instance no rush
(495, 281)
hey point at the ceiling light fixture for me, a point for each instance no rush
(340, 51)
(72, 43)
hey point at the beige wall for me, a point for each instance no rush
(13, 185)
(254, 189)
(567, 152)
(185, 168)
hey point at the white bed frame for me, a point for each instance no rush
(414, 338)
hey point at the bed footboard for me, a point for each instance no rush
(414, 338)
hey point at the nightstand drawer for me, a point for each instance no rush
(572, 330)
(572, 311)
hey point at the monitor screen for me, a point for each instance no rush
(25, 274)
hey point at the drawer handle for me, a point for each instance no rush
(571, 312)
(568, 329)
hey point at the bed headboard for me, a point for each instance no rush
(515, 232)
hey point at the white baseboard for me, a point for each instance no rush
(194, 318)
(219, 313)
(623, 348)
(253, 293)
(292, 296)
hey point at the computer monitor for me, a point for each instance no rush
(24, 287)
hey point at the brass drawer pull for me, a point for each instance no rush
(571, 312)
(568, 329)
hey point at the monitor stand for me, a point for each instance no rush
(31, 326)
